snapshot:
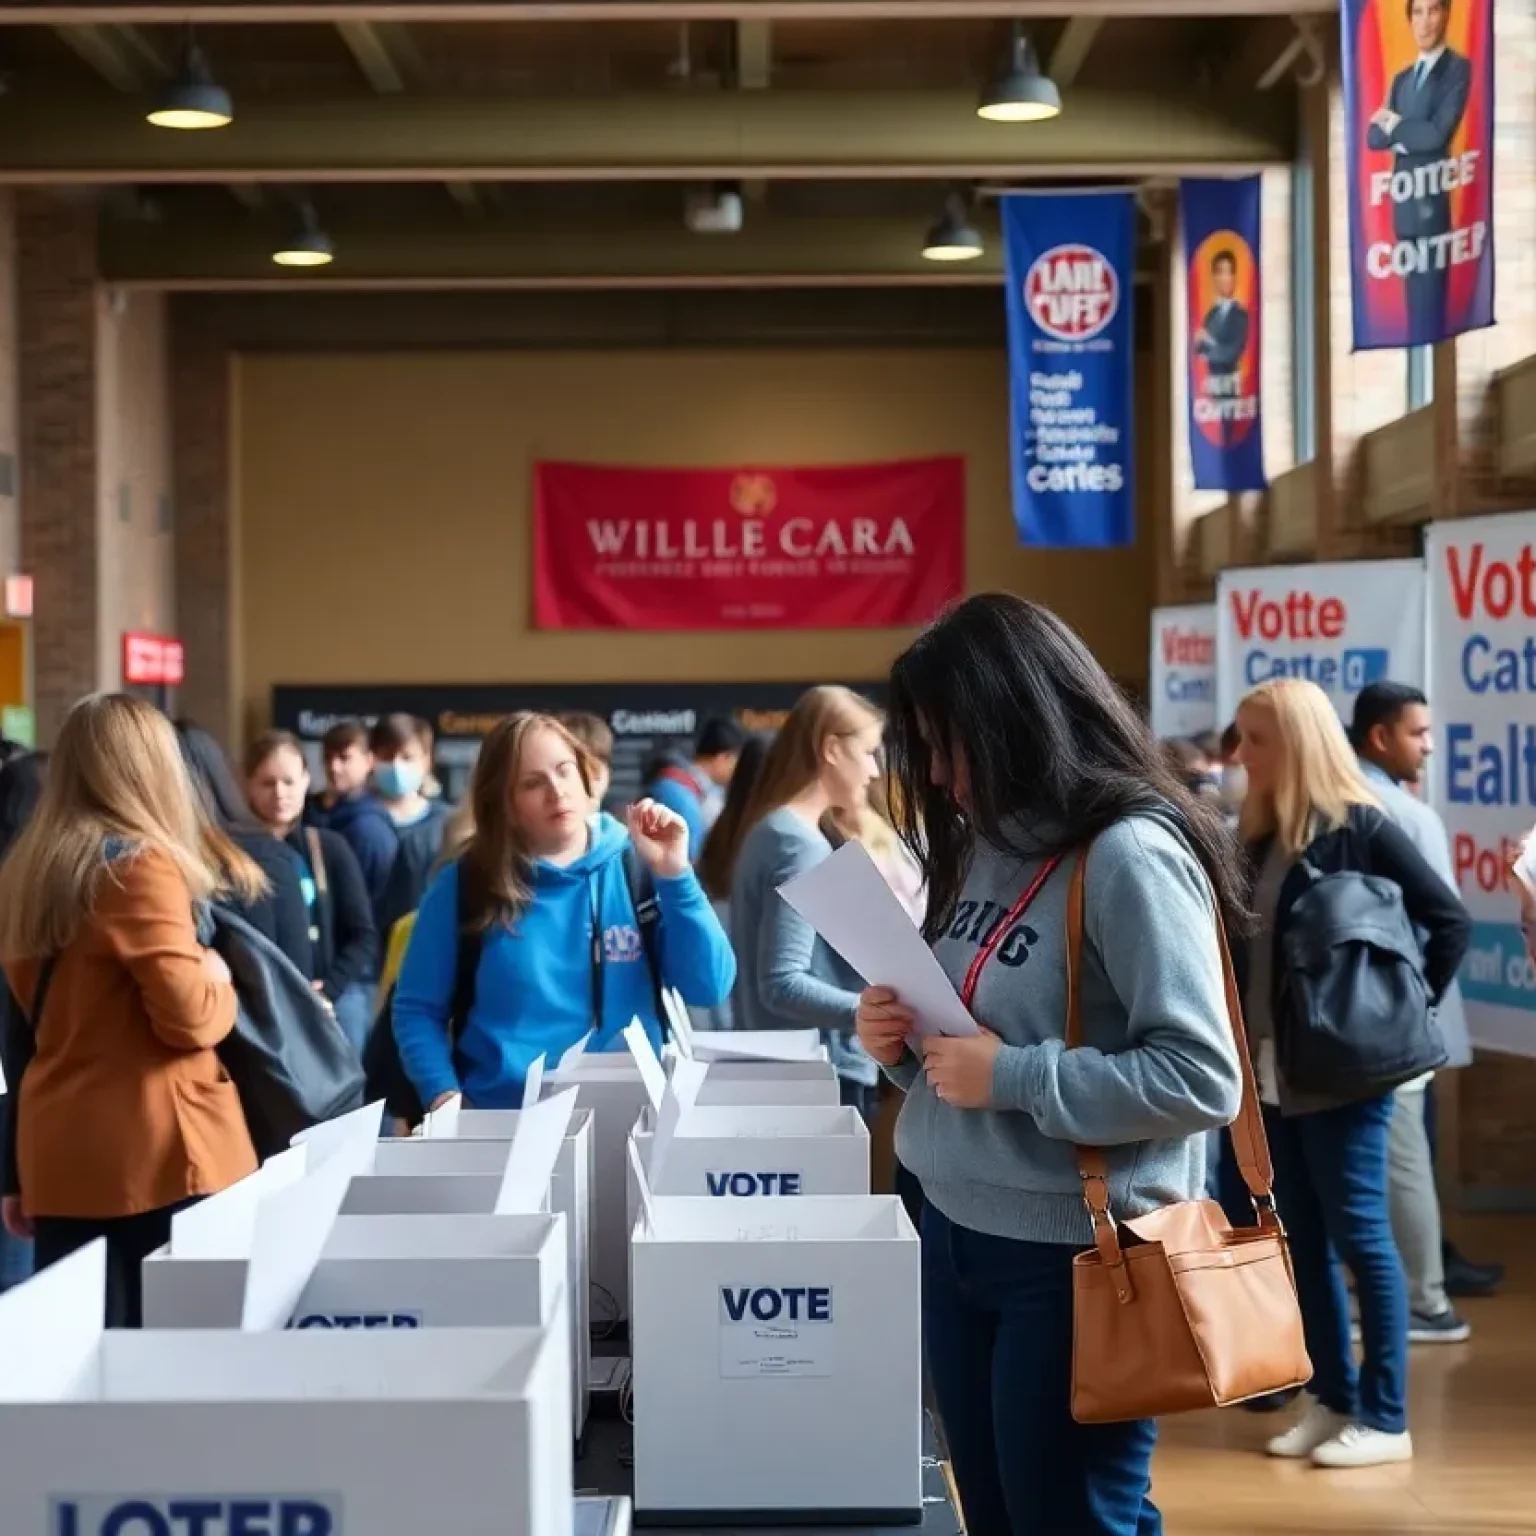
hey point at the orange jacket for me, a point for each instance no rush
(125, 1107)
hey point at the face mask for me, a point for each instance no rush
(397, 780)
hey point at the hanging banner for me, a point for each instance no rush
(1341, 626)
(850, 546)
(1482, 617)
(1418, 105)
(1221, 247)
(1183, 670)
(1071, 260)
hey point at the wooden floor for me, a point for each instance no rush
(1473, 1417)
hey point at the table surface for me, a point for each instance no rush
(604, 1468)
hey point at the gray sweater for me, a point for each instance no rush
(1158, 1067)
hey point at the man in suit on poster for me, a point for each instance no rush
(1417, 123)
(1223, 336)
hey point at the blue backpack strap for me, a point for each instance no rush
(642, 896)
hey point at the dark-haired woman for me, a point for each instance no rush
(1015, 755)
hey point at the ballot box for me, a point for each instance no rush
(776, 1357)
(812, 1083)
(759, 1045)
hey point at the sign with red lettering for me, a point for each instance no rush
(153, 661)
(1482, 632)
(847, 546)
(1183, 671)
(1341, 626)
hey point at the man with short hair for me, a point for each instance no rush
(401, 748)
(695, 788)
(1392, 735)
(346, 807)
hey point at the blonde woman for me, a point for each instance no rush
(822, 761)
(124, 1111)
(1309, 812)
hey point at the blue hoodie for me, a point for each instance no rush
(370, 834)
(533, 989)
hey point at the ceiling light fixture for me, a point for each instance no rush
(1023, 93)
(191, 98)
(953, 238)
(305, 243)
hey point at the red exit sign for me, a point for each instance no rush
(153, 660)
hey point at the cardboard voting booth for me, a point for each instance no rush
(769, 1082)
(758, 1045)
(312, 1433)
(776, 1356)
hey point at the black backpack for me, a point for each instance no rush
(1355, 1016)
(381, 1058)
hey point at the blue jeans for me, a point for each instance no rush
(354, 1012)
(997, 1321)
(1331, 1190)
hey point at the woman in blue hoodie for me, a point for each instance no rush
(546, 883)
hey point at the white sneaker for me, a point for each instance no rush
(1357, 1445)
(1317, 1426)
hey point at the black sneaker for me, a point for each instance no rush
(1447, 1327)
(1272, 1402)
(1468, 1281)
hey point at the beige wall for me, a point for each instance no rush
(10, 532)
(383, 525)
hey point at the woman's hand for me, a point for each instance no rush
(441, 1099)
(959, 1068)
(217, 971)
(15, 1218)
(660, 837)
(883, 1025)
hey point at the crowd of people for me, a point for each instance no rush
(462, 944)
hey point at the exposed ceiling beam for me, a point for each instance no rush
(120, 54)
(249, 195)
(672, 136)
(467, 195)
(1071, 50)
(382, 52)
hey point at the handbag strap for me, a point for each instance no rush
(317, 861)
(1248, 1139)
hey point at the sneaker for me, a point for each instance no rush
(1272, 1402)
(1469, 1281)
(1448, 1327)
(1317, 1426)
(1357, 1445)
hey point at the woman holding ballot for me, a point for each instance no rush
(1014, 755)
(572, 922)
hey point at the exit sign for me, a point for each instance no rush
(153, 660)
(18, 597)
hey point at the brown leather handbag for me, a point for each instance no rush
(1178, 1310)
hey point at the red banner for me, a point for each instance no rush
(849, 546)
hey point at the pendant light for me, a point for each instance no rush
(953, 238)
(191, 98)
(1023, 93)
(304, 243)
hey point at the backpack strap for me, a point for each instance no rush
(642, 895)
(675, 775)
(466, 965)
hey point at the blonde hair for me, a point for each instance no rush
(1319, 776)
(869, 823)
(116, 775)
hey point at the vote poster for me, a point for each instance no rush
(1482, 638)
(1340, 626)
(1418, 105)
(1071, 273)
(1221, 222)
(1183, 670)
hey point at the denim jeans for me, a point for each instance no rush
(354, 1013)
(1331, 1190)
(997, 1321)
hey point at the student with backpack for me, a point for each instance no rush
(551, 923)
(695, 787)
(1339, 995)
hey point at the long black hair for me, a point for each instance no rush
(1006, 688)
(713, 865)
(214, 779)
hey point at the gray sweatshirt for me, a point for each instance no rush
(1158, 1067)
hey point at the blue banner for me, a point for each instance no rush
(1221, 252)
(1071, 273)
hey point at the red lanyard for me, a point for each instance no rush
(987, 950)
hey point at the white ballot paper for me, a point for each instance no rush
(682, 1094)
(533, 1153)
(677, 1017)
(647, 1060)
(442, 1123)
(846, 900)
(533, 1082)
(572, 1058)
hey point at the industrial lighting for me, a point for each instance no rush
(192, 98)
(1023, 93)
(305, 244)
(953, 238)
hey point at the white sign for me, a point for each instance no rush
(1340, 626)
(776, 1330)
(1482, 638)
(1183, 671)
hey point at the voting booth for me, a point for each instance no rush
(776, 1357)
(809, 1083)
(798, 1045)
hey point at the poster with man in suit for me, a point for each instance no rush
(1418, 78)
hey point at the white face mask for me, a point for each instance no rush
(1234, 785)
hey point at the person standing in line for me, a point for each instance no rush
(401, 754)
(1013, 755)
(695, 787)
(824, 758)
(345, 806)
(594, 734)
(1310, 812)
(124, 1112)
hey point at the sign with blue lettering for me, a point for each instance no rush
(743, 1184)
(1071, 270)
(195, 1514)
(1482, 624)
(776, 1330)
(357, 1320)
(1183, 670)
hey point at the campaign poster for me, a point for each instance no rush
(1340, 626)
(1071, 273)
(1482, 638)
(1221, 226)
(1418, 105)
(1183, 670)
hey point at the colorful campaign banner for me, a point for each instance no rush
(1418, 105)
(1071, 260)
(1482, 637)
(1183, 671)
(1221, 247)
(1341, 626)
(845, 546)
